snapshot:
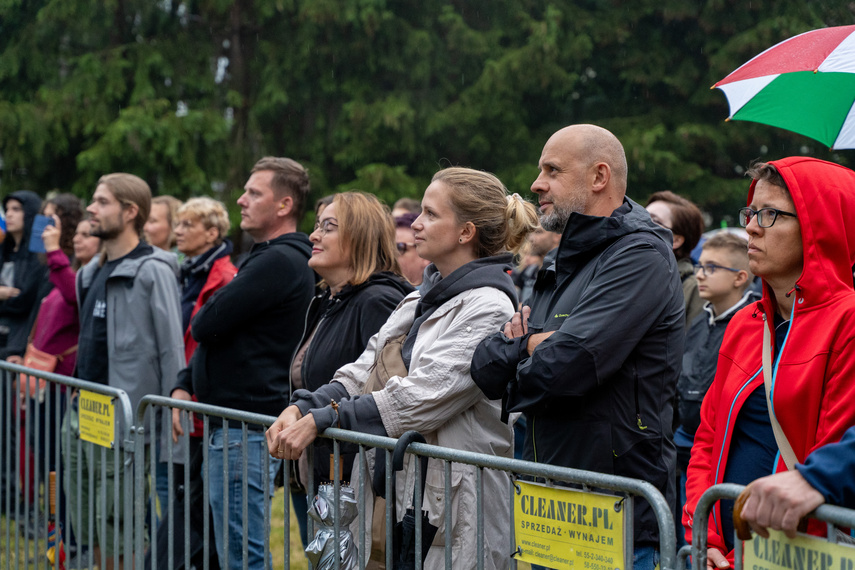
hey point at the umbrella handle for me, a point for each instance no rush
(401, 448)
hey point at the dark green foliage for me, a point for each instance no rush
(377, 95)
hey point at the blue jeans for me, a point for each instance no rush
(257, 497)
(643, 558)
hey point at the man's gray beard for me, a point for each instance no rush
(555, 221)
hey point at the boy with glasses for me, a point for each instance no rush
(724, 282)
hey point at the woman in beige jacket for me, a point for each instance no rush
(467, 226)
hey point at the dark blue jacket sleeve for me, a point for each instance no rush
(623, 302)
(495, 361)
(829, 470)
(357, 413)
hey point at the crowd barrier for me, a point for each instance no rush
(108, 438)
(30, 451)
(130, 438)
(554, 477)
(777, 552)
(228, 419)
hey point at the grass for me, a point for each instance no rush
(13, 554)
(277, 536)
(277, 541)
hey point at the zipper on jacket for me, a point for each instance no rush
(299, 345)
(726, 430)
(641, 426)
(533, 443)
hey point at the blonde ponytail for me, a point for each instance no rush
(522, 219)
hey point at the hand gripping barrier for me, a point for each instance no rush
(836, 516)
(135, 466)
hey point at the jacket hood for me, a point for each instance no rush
(129, 267)
(31, 203)
(586, 234)
(297, 240)
(493, 271)
(824, 196)
(383, 279)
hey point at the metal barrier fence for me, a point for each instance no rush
(224, 419)
(33, 445)
(514, 468)
(133, 464)
(834, 515)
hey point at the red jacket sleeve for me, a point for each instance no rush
(702, 465)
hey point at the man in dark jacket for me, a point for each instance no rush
(246, 343)
(593, 360)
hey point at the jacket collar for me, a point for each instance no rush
(586, 234)
(748, 297)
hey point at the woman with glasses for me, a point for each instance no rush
(353, 251)
(786, 369)
(467, 228)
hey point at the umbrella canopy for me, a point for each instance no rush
(805, 84)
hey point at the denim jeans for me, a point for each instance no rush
(643, 558)
(256, 523)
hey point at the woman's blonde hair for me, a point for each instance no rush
(210, 212)
(502, 221)
(172, 205)
(367, 233)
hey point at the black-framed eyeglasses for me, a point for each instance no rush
(326, 226)
(710, 268)
(403, 247)
(765, 216)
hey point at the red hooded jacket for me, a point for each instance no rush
(814, 379)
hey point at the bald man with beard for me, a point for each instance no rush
(593, 358)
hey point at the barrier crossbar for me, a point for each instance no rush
(31, 447)
(385, 448)
(832, 514)
(228, 419)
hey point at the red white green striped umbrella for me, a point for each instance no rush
(805, 84)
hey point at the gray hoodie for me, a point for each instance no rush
(145, 342)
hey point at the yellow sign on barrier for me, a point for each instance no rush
(97, 413)
(801, 553)
(567, 529)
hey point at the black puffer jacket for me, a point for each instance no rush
(598, 393)
(31, 277)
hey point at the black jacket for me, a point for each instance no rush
(598, 394)
(31, 277)
(249, 329)
(343, 324)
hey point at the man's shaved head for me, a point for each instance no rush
(582, 170)
(592, 144)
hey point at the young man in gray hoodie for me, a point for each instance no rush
(130, 332)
